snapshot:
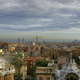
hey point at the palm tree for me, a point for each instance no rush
(18, 61)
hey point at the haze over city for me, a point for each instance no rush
(52, 19)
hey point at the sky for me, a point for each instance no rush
(50, 19)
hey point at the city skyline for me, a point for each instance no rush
(51, 19)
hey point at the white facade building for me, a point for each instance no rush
(6, 68)
(70, 71)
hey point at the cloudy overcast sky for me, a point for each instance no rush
(52, 19)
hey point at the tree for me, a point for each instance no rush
(76, 60)
(18, 61)
(32, 72)
(42, 63)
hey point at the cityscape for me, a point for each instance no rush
(39, 40)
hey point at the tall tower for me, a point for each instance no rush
(18, 40)
(23, 40)
(36, 38)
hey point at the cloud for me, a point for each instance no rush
(55, 16)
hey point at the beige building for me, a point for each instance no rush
(23, 71)
(61, 62)
(44, 73)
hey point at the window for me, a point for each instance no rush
(40, 78)
(67, 78)
(71, 78)
(48, 78)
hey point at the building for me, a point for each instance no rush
(44, 73)
(6, 70)
(23, 70)
(70, 70)
(30, 61)
(5, 45)
(61, 62)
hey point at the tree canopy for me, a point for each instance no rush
(42, 63)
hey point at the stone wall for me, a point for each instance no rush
(1, 77)
(7, 77)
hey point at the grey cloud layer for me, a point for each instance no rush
(32, 15)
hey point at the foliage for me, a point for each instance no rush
(16, 76)
(18, 61)
(32, 72)
(77, 60)
(42, 63)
